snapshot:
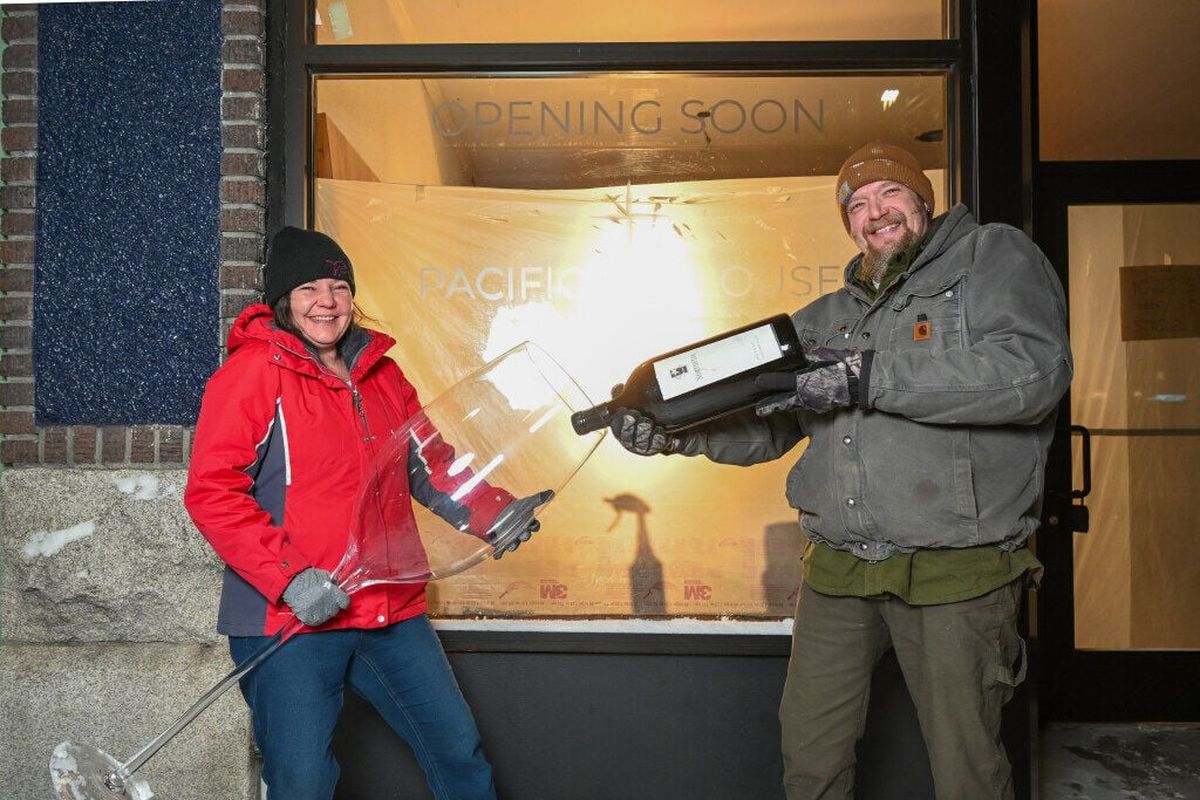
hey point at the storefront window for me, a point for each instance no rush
(608, 218)
(476, 21)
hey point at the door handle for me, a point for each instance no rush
(1086, 436)
(1075, 515)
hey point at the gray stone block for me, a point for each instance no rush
(103, 555)
(118, 697)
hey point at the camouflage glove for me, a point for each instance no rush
(641, 435)
(832, 380)
(516, 523)
(314, 598)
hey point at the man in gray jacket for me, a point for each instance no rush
(929, 409)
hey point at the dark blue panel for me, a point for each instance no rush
(128, 234)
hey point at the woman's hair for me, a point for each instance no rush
(283, 318)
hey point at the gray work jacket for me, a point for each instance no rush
(948, 448)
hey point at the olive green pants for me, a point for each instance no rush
(958, 662)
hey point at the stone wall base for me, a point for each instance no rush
(118, 697)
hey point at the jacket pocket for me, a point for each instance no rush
(835, 334)
(1007, 464)
(929, 317)
(918, 479)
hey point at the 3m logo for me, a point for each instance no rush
(696, 590)
(553, 590)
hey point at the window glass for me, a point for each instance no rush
(1135, 335)
(1116, 80)
(608, 218)
(484, 21)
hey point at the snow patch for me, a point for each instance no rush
(142, 487)
(63, 759)
(47, 543)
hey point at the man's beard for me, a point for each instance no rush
(875, 259)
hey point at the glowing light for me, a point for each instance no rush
(540, 323)
(889, 97)
(638, 293)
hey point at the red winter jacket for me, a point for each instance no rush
(281, 454)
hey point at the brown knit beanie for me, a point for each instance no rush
(878, 161)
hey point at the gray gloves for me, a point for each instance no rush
(314, 597)
(515, 523)
(833, 379)
(641, 435)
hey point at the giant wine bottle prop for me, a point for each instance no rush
(481, 461)
(704, 380)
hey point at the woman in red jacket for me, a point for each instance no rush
(287, 430)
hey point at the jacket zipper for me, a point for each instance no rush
(358, 406)
(357, 399)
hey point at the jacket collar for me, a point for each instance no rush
(944, 230)
(362, 348)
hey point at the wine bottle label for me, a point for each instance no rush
(707, 364)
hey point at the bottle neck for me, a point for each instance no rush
(592, 419)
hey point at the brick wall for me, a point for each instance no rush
(243, 198)
(22, 442)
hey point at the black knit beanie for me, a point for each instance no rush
(297, 256)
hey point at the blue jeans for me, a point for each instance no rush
(295, 697)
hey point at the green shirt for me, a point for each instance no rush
(923, 578)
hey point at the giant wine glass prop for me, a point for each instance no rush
(480, 462)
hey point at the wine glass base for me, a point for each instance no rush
(77, 772)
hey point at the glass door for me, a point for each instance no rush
(1119, 615)
(1135, 283)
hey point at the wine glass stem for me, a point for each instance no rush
(116, 779)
